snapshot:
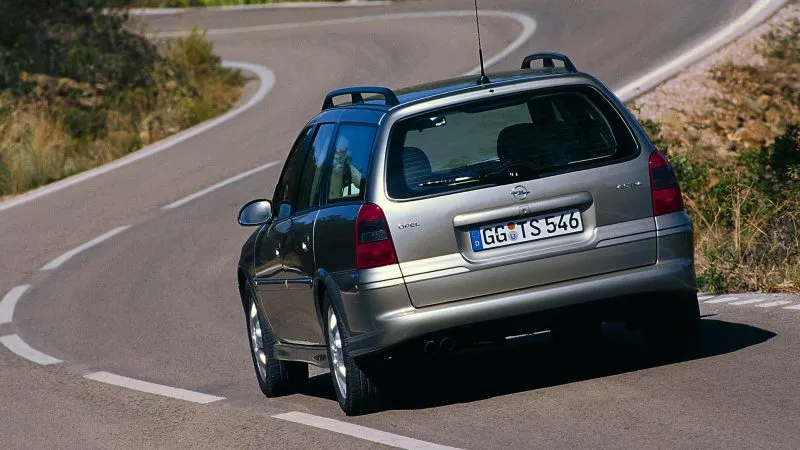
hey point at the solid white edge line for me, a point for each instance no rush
(221, 184)
(9, 302)
(287, 5)
(757, 12)
(795, 307)
(358, 431)
(721, 300)
(267, 79)
(775, 303)
(748, 302)
(152, 388)
(528, 24)
(69, 254)
(19, 347)
(519, 17)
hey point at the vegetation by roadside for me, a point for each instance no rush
(80, 89)
(206, 3)
(736, 149)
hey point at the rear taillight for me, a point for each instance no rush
(664, 186)
(374, 247)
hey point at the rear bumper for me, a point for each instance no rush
(608, 293)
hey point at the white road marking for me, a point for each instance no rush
(9, 302)
(358, 431)
(722, 300)
(214, 187)
(67, 255)
(795, 307)
(21, 348)
(775, 303)
(287, 5)
(152, 388)
(267, 79)
(748, 302)
(757, 12)
(527, 22)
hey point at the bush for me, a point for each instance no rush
(84, 90)
(746, 214)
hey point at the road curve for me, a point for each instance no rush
(156, 300)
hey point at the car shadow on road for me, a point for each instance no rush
(535, 362)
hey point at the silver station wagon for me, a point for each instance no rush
(431, 218)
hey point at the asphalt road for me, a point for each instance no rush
(158, 301)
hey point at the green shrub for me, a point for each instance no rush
(746, 214)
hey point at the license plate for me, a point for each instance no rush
(530, 229)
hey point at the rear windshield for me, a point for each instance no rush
(502, 141)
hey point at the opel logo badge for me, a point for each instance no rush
(520, 193)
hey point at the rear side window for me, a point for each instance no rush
(351, 152)
(284, 199)
(308, 193)
(502, 141)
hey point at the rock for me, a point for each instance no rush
(772, 116)
(763, 101)
(751, 104)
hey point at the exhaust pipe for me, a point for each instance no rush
(430, 347)
(447, 344)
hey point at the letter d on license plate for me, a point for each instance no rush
(530, 229)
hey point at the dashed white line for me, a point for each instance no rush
(722, 300)
(358, 431)
(152, 388)
(67, 255)
(795, 307)
(21, 348)
(221, 184)
(9, 302)
(748, 302)
(775, 303)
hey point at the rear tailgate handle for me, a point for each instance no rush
(578, 199)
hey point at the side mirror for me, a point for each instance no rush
(255, 212)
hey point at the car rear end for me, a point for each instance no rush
(514, 202)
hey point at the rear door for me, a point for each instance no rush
(288, 244)
(522, 192)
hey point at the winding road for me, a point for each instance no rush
(119, 315)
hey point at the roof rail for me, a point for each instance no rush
(547, 60)
(356, 97)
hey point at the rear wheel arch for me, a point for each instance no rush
(324, 284)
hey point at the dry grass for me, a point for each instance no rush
(61, 127)
(735, 144)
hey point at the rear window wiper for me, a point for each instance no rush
(448, 181)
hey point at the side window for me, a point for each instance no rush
(308, 195)
(285, 203)
(350, 159)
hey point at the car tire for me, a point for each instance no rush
(275, 377)
(355, 389)
(674, 326)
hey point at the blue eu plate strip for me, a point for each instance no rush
(477, 242)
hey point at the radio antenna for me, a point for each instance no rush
(483, 79)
